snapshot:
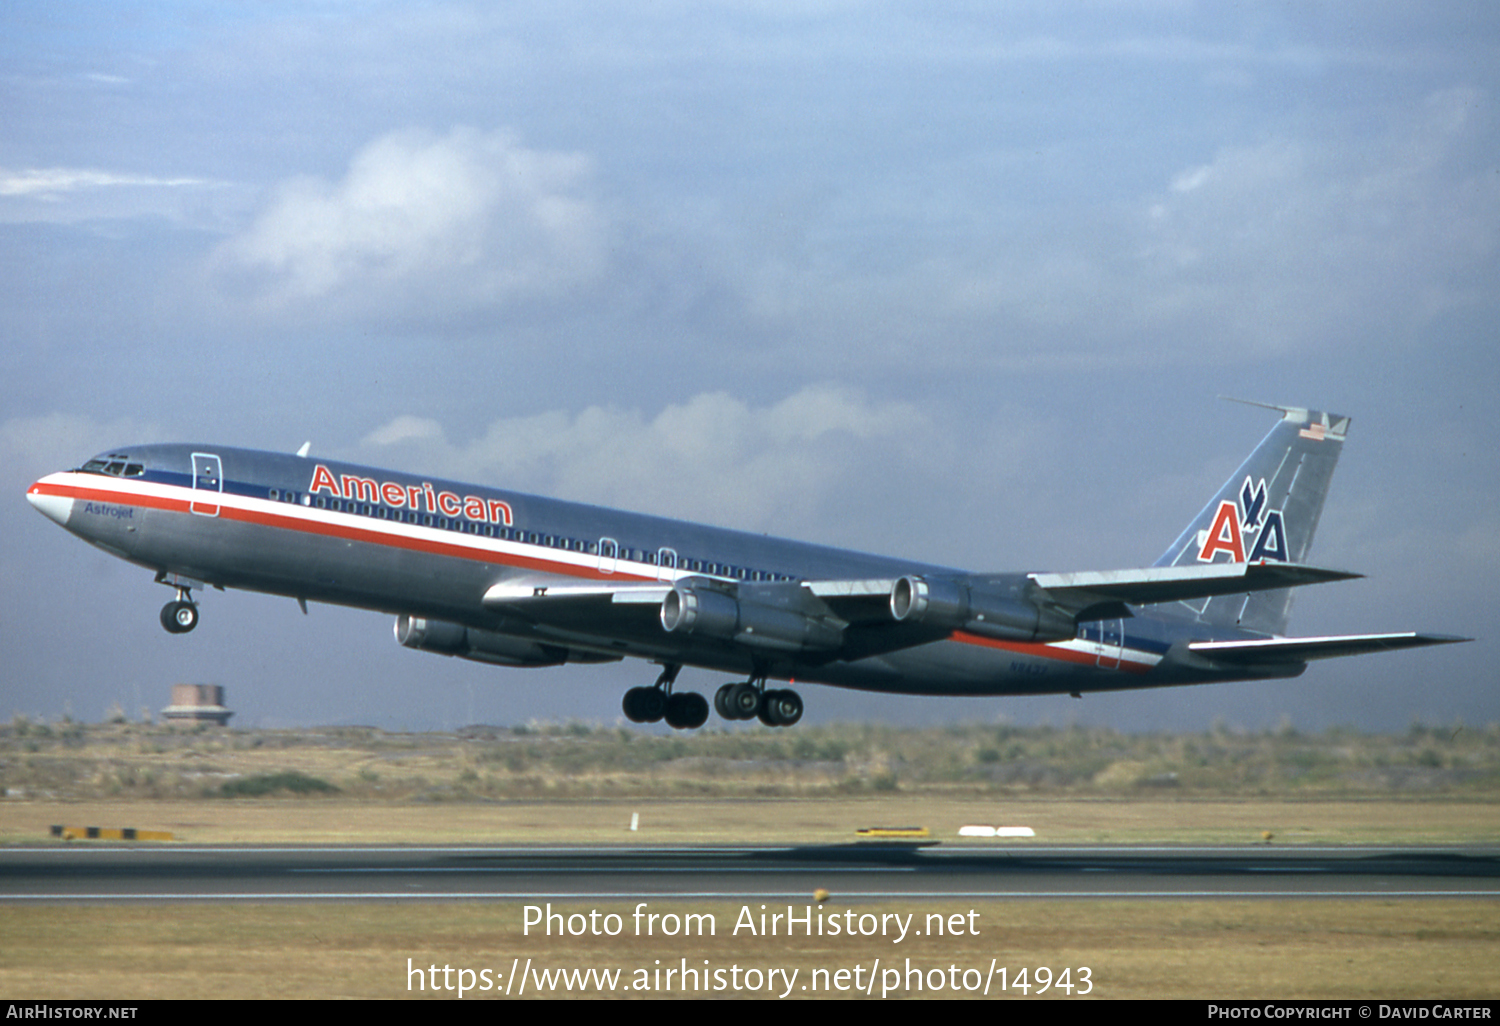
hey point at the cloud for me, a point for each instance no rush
(405, 428)
(72, 195)
(422, 222)
(712, 457)
(1301, 242)
(53, 182)
(32, 446)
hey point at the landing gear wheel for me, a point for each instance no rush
(781, 708)
(738, 700)
(743, 701)
(179, 617)
(686, 710)
(644, 705)
(721, 702)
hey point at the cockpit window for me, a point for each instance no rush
(115, 464)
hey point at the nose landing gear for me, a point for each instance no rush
(180, 616)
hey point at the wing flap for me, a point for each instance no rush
(1296, 650)
(541, 592)
(854, 601)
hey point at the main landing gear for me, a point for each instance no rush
(683, 710)
(688, 710)
(746, 700)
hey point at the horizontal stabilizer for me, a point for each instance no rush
(1176, 583)
(1297, 650)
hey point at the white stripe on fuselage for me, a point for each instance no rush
(564, 563)
(582, 564)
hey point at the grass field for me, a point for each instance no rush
(578, 784)
(69, 760)
(777, 821)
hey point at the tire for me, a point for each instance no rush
(743, 702)
(781, 708)
(643, 705)
(721, 702)
(686, 710)
(179, 617)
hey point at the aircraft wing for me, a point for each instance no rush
(854, 618)
(538, 593)
(1298, 650)
(847, 600)
(768, 617)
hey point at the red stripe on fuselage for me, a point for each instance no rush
(477, 553)
(346, 532)
(1041, 651)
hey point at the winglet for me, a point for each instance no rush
(306, 448)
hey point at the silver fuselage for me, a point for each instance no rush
(324, 531)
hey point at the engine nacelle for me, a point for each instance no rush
(954, 605)
(452, 639)
(705, 612)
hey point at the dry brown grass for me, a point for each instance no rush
(577, 761)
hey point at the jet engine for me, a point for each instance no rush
(706, 612)
(452, 639)
(954, 605)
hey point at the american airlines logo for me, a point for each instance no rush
(422, 498)
(1246, 521)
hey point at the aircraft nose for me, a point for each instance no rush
(57, 508)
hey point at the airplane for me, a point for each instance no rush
(523, 581)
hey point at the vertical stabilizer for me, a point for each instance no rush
(1266, 512)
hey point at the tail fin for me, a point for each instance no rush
(1267, 511)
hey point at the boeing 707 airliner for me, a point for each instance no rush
(522, 581)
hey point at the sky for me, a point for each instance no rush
(960, 284)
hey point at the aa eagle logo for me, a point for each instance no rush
(1246, 522)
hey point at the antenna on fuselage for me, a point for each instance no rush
(306, 448)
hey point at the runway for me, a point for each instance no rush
(861, 872)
